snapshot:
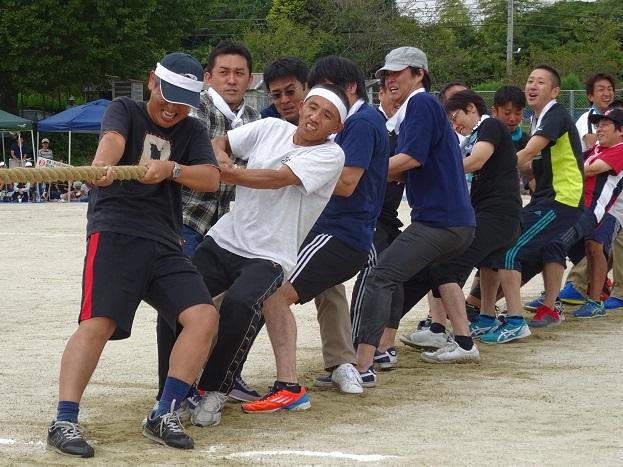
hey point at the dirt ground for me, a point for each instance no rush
(552, 399)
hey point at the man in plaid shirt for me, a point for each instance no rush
(222, 108)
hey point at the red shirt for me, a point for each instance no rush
(613, 156)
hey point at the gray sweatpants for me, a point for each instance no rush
(415, 248)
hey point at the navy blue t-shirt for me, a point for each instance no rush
(437, 190)
(148, 211)
(352, 219)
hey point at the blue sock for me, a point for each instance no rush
(174, 390)
(67, 411)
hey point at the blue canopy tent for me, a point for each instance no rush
(85, 118)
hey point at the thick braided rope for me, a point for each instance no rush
(65, 174)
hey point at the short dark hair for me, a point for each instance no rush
(339, 71)
(513, 94)
(460, 100)
(590, 82)
(336, 90)
(616, 104)
(284, 67)
(555, 75)
(229, 48)
(442, 93)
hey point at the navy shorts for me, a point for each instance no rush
(324, 261)
(121, 270)
(603, 233)
(544, 220)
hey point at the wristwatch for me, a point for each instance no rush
(177, 171)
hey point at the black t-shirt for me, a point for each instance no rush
(133, 208)
(495, 186)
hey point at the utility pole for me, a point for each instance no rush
(509, 38)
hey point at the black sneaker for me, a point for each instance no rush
(66, 438)
(168, 430)
(243, 392)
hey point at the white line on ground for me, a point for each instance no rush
(333, 455)
(7, 441)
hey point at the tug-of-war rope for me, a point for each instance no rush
(65, 174)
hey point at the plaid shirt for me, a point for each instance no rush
(201, 210)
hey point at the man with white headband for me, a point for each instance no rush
(290, 175)
(142, 220)
(336, 247)
(222, 107)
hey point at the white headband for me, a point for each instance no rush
(331, 97)
(178, 80)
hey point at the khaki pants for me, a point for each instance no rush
(579, 273)
(335, 327)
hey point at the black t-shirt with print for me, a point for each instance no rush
(495, 186)
(133, 208)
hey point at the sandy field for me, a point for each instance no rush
(552, 399)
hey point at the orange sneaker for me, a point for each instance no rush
(279, 399)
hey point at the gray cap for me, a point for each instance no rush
(403, 57)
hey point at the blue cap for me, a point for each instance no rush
(181, 79)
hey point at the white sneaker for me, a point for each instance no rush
(425, 339)
(452, 353)
(347, 379)
(208, 411)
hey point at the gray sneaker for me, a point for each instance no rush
(208, 410)
(424, 339)
(452, 353)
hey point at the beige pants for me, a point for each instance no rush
(579, 273)
(335, 327)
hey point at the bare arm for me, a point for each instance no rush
(481, 153)
(535, 145)
(400, 163)
(589, 140)
(222, 151)
(349, 178)
(109, 152)
(260, 178)
(596, 168)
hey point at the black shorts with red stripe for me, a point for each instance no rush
(121, 270)
(324, 261)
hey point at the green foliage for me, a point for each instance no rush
(571, 81)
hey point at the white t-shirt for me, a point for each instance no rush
(272, 224)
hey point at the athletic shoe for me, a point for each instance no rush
(613, 303)
(483, 326)
(208, 410)
(425, 323)
(185, 410)
(324, 381)
(387, 360)
(545, 317)
(347, 379)
(452, 353)
(66, 438)
(425, 339)
(591, 309)
(243, 392)
(571, 296)
(278, 399)
(168, 430)
(510, 330)
(368, 378)
(473, 312)
(533, 305)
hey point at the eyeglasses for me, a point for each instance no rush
(277, 95)
(453, 116)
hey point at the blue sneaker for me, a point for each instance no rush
(483, 326)
(613, 303)
(571, 296)
(535, 304)
(387, 360)
(591, 309)
(510, 330)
